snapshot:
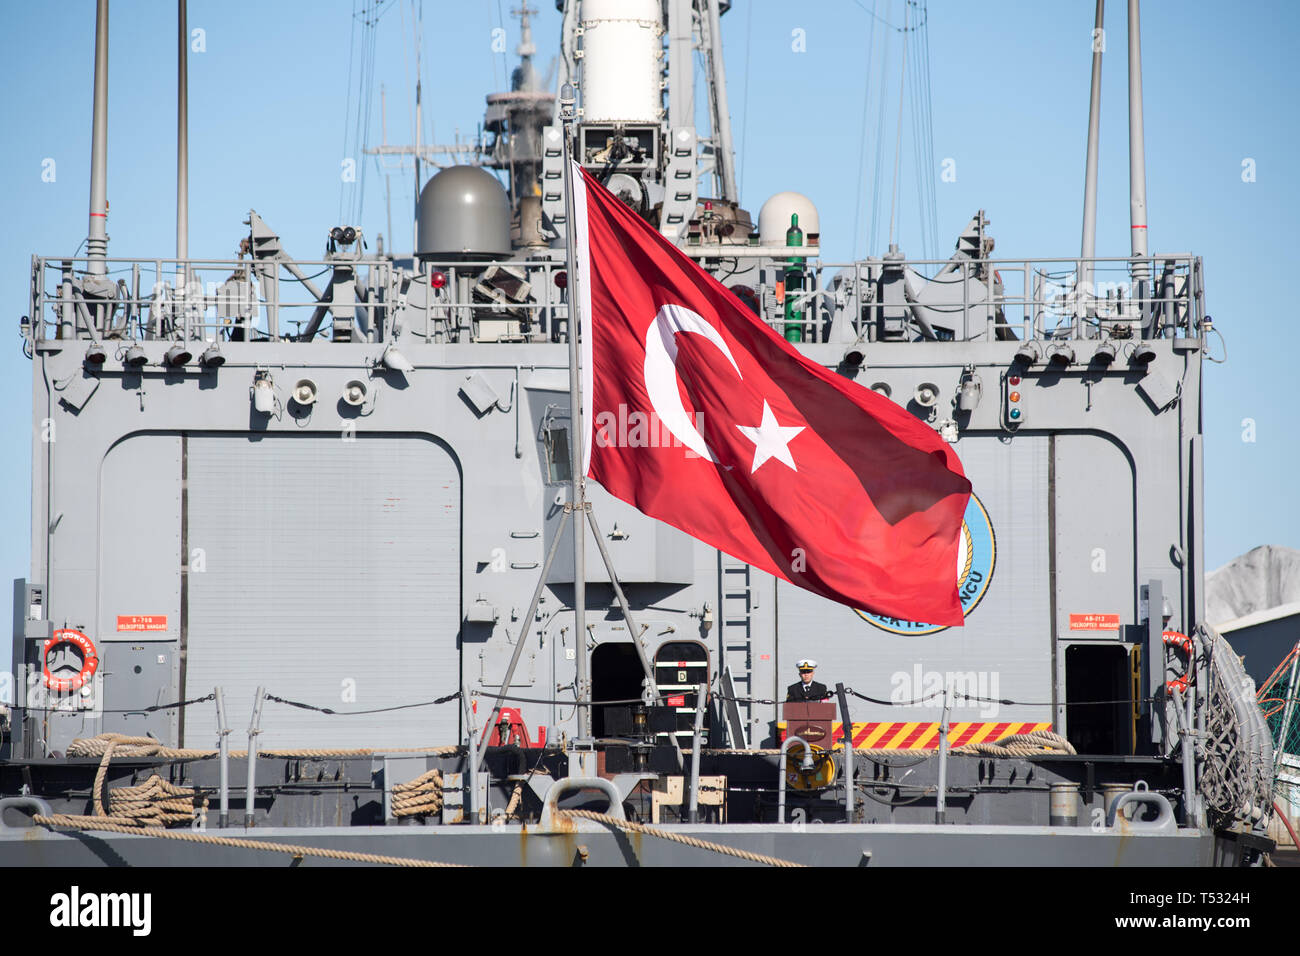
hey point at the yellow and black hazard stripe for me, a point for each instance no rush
(924, 735)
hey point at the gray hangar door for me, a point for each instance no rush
(327, 571)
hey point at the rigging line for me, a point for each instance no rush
(880, 125)
(501, 25)
(744, 110)
(862, 141)
(921, 160)
(361, 93)
(872, 13)
(369, 95)
(898, 140)
(913, 122)
(929, 114)
(406, 75)
(351, 47)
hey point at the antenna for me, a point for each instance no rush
(97, 237)
(1089, 245)
(182, 135)
(1137, 162)
(724, 170)
(415, 225)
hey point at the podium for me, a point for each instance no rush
(811, 721)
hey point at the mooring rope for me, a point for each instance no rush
(677, 838)
(115, 825)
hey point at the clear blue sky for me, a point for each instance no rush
(270, 124)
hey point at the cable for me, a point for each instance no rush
(354, 713)
(131, 710)
(862, 140)
(880, 140)
(744, 110)
(352, 41)
(872, 13)
(559, 703)
(1224, 343)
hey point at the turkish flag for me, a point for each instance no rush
(700, 415)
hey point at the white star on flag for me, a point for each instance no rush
(770, 439)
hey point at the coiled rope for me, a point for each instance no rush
(678, 838)
(419, 796)
(1033, 744)
(112, 825)
(157, 802)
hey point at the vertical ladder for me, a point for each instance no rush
(737, 600)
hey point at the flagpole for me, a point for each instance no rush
(576, 497)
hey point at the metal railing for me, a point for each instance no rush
(987, 299)
(275, 300)
(376, 299)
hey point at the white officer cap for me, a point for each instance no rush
(806, 665)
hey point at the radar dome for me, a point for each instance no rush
(774, 217)
(464, 213)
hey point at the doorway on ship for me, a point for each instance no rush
(616, 674)
(1099, 698)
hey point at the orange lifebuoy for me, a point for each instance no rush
(89, 660)
(1180, 640)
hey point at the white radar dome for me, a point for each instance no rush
(774, 217)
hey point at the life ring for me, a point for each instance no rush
(89, 660)
(1182, 641)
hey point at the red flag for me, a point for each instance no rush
(701, 415)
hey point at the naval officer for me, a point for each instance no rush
(806, 689)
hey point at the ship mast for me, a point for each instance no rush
(182, 135)
(1089, 244)
(97, 236)
(1137, 162)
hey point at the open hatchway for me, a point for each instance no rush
(616, 675)
(1099, 713)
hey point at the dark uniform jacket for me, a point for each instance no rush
(798, 693)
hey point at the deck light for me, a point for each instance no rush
(1028, 353)
(395, 361)
(263, 392)
(1062, 353)
(177, 356)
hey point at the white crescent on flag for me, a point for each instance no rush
(660, 371)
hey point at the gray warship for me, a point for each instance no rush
(305, 586)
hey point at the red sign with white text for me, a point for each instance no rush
(142, 622)
(1094, 622)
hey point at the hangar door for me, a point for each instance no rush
(327, 571)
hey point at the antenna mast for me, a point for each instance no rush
(1089, 244)
(97, 237)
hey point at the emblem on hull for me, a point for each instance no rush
(976, 555)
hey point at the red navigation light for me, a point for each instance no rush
(561, 280)
(1013, 379)
(437, 279)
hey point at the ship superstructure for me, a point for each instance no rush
(280, 499)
